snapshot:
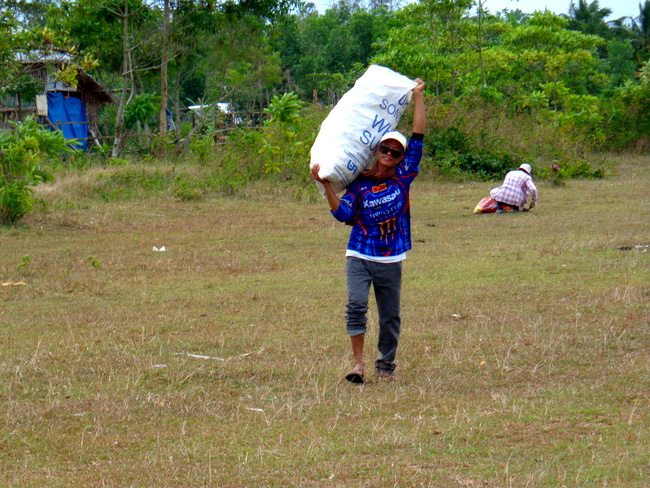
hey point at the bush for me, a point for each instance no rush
(23, 154)
(16, 200)
(562, 170)
(279, 151)
(455, 155)
(188, 189)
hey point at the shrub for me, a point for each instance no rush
(188, 189)
(23, 154)
(202, 147)
(279, 151)
(456, 155)
(559, 171)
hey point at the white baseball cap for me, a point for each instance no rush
(527, 168)
(396, 136)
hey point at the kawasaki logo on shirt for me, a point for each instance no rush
(370, 203)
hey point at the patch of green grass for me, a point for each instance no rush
(219, 362)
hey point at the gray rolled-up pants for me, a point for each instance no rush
(386, 280)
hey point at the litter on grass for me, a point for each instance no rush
(642, 248)
(198, 356)
(162, 249)
(202, 356)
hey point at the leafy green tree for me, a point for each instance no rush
(164, 66)
(619, 63)
(512, 57)
(139, 114)
(124, 36)
(628, 111)
(202, 35)
(318, 51)
(284, 110)
(221, 53)
(443, 45)
(13, 41)
(238, 66)
(542, 50)
(512, 17)
(284, 40)
(129, 15)
(191, 21)
(32, 13)
(281, 128)
(95, 29)
(22, 43)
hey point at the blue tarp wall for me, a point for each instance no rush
(68, 109)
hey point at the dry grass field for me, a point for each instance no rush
(218, 362)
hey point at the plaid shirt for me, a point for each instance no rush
(381, 212)
(515, 189)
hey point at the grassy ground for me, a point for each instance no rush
(218, 362)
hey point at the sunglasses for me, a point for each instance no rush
(387, 150)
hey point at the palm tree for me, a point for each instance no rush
(641, 30)
(637, 29)
(589, 18)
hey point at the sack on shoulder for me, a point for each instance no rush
(352, 130)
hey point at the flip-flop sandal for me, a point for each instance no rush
(355, 377)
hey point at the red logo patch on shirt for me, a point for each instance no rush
(378, 188)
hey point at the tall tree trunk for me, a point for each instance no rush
(177, 103)
(118, 144)
(138, 124)
(164, 86)
(148, 136)
(480, 42)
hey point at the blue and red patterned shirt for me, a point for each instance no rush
(380, 213)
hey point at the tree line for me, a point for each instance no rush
(580, 72)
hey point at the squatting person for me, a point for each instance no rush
(512, 195)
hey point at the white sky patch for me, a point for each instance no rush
(619, 8)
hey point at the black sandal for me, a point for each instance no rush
(355, 377)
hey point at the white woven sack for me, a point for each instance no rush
(352, 130)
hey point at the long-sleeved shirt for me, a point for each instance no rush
(380, 211)
(515, 189)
